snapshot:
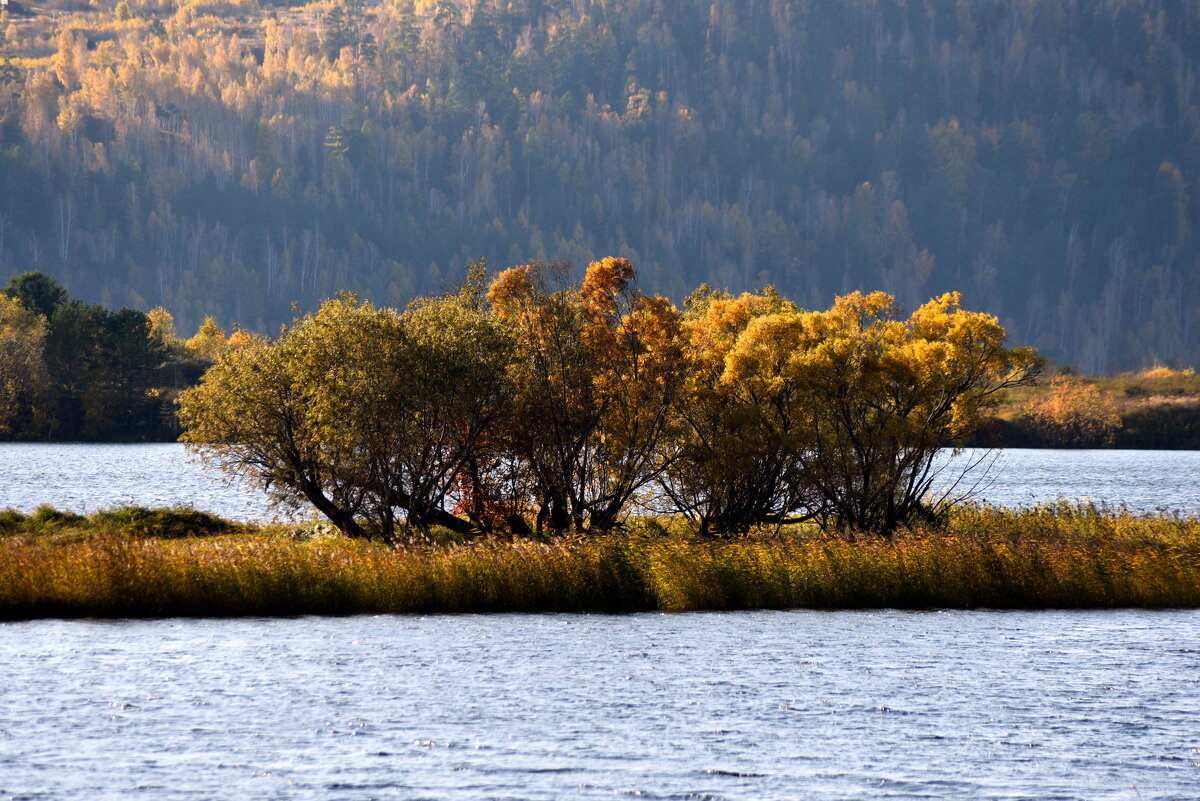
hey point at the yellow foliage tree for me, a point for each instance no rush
(597, 368)
(162, 326)
(737, 449)
(1076, 414)
(209, 341)
(24, 382)
(853, 403)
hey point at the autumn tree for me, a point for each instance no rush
(162, 326)
(596, 370)
(24, 383)
(367, 413)
(836, 415)
(879, 396)
(1075, 413)
(209, 340)
(739, 441)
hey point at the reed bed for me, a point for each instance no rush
(1050, 557)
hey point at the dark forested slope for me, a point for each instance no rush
(219, 157)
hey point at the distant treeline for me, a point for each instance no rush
(71, 370)
(221, 157)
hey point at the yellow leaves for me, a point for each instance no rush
(240, 339)
(23, 375)
(855, 313)
(714, 321)
(764, 350)
(1076, 413)
(1161, 371)
(162, 325)
(209, 340)
(856, 399)
(604, 285)
(510, 291)
(583, 393)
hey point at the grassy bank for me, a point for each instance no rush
(1156, 408)
(1054, 557)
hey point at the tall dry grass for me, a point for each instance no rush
(1052, 557)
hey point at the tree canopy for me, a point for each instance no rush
(567, 405)
(368, 414)
(73, 370)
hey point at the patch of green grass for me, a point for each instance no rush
(133, 521)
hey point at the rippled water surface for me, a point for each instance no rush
(84, 478)
(1139, 480)
(751, 705)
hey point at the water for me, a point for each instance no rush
(1143, 481)
(748, 705)
(83, 478)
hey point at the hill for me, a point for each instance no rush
(226, 158)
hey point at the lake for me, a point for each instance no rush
(83, 478)
(748, 705)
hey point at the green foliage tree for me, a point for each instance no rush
(104, 367)
(101, 374)
(366, 413)
(24, 384)
(37, 292)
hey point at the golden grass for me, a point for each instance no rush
(1052, 557)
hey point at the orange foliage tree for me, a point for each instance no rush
(1075, 414)
(597, 370)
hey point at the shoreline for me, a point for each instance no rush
(1052, 557)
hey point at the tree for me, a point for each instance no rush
(103, 366)
(738, 441)
(24, 384)
(876, 397)
(597, 367)
(209, 341)
(366, 413)
(1075, 414)
(162, 326)
(37, 292)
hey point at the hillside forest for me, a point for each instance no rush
(231, 158)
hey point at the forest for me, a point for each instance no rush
(228, 158)
(73, 371)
